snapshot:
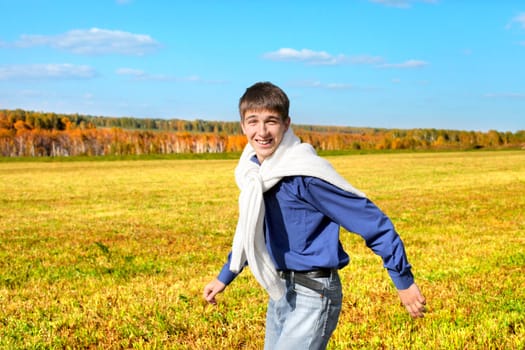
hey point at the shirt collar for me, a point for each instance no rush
(255, 159)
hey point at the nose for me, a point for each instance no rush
(262, 130)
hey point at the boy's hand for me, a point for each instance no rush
(212, 289)
(413, 300)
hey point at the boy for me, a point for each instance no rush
(291, 206)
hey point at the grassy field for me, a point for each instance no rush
(115, 254)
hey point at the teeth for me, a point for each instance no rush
(263, 142)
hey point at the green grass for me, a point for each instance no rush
(115, 254)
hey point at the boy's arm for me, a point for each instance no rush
(363, 217)
(380, 235)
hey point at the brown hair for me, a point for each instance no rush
(265, 96)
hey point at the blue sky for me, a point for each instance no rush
(446, 64)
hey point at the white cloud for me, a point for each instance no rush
(46, 71)
(405, 65)
(305, 55)
(94, 41)
(338, 86)
(138, 74)
(319, 57)
(402, 3)
(366, 59)
(519, 19)
(130, 71)
(324, 58)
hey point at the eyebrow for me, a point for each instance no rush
(270, 117)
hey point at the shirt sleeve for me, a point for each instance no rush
(226, 276)
(361, 216)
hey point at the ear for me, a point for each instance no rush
(287, 122)
(242, 128)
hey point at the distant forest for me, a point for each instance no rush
(37, 134)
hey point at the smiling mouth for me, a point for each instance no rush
(263, 142)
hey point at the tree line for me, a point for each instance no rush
(36, 134)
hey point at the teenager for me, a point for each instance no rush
(291, 207)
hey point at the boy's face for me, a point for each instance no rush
(264, 131)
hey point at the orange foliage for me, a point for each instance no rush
(45, 134)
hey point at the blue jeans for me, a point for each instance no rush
(303, 318)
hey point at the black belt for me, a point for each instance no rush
(304, 278)
(319, 273)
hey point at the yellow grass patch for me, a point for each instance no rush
(115, 254)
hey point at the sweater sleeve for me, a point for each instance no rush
(361, 216)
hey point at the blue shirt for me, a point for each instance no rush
(302, 225)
